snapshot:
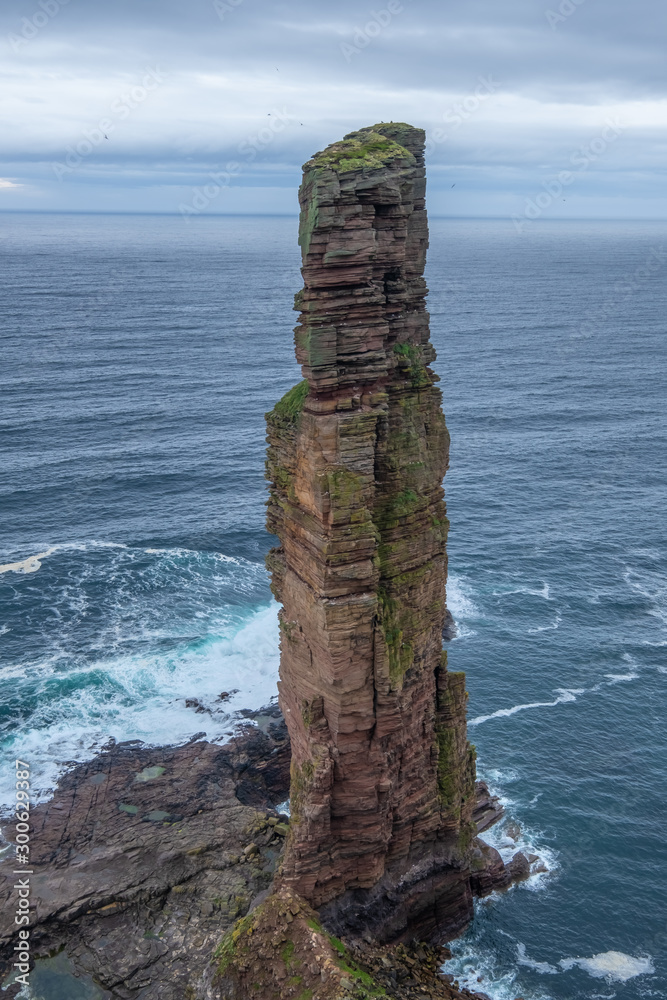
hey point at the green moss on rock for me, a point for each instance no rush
(235, 941)
(346, 490)
(276, 952)
(362, 151)
(301, 777)
(308, 222)
(290, 407)
(456, 757)
(414, 365)
(395, 621)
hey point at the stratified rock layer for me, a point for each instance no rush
(382, 774)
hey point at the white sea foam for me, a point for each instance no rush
(631, 675)
(614, 966)
(510, 837)
(180, 552)
(646, 553)
(459, 601)
(33, 563)
(496, 775)
(542, 967)
(143, 696)
(461, 606)
(29, 565)
(653, 587)
(547, 628)
(543, 592)
(564, 695)
(479, 969)
(463, 631)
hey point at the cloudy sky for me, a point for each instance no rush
(556, 107)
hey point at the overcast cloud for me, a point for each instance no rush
(213, 105)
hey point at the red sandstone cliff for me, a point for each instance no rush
(382, 773)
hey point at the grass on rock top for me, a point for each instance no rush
(363, 150)
(290, 406)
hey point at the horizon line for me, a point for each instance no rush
(295, 215)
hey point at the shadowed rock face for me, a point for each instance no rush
(382, 774)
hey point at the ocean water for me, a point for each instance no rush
(139, 355)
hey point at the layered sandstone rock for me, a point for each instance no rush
(382, 774)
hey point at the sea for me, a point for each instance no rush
(139, 355)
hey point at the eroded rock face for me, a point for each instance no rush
(382, 774)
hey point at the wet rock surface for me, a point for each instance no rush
(141, 859)
(449, 629)
(488, 808)
(490, 873)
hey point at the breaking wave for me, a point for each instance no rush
(147, 642)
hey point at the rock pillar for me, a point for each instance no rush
(382, 781)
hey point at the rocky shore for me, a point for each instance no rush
(148, 861)
(140, 858)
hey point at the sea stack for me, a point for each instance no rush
(382, 781)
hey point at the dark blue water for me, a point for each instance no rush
(139, 356)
